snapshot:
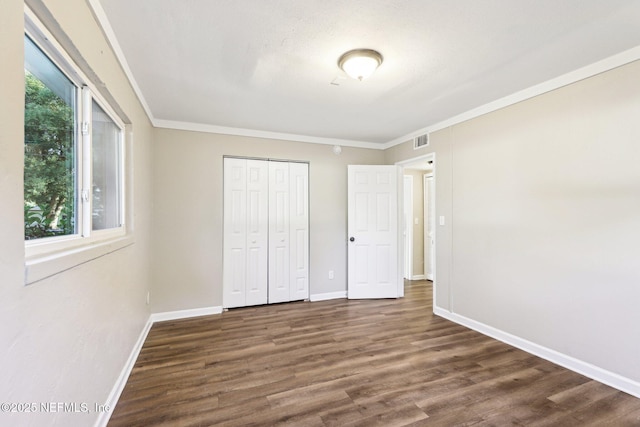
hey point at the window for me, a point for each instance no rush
(49, 148)
(73, 146)
(106, 189)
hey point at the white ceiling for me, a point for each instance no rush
(268, 65)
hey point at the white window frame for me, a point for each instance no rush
(88, 97)
(48, 256)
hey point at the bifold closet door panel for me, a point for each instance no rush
(257, 231)
(235, 251)
(299, 231)
(279, 273)
(245, 233)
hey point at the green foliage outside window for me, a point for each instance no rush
(49, 164)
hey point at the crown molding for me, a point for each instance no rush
(224, 130)
(571, 77)
(110, 35)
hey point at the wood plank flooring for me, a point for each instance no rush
(353, 363)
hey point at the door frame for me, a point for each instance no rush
(425, 157)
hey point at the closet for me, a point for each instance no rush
(266, 232)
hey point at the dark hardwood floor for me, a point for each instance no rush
(353, 363)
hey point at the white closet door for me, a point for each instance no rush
(245, 233)
(266, 232)
(279, 273)
(235, 233)
(299, 230)
(257, 231)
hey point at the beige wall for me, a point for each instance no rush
(187, 270)
(66, 338)
(541, 201)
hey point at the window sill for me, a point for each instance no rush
(40, 267)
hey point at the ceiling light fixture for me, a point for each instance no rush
(360, 63)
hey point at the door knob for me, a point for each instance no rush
(352, 239)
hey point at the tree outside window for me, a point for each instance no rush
(49, 164)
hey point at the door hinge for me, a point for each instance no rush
(85, 128)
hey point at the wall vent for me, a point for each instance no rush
(421, 141)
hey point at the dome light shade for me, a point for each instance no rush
(360, 63)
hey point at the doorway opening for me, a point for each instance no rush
(419, 255)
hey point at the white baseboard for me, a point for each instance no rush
(609, 378)
(116, 391)
(418, 277)
(112, 400)
(184, 314)
(328, 296)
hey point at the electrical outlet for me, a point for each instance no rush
(330, 274)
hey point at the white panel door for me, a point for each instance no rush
(299, 231)
(279, 229)
(257, 231)
(235, 233)
(373, 270)
(244, 277)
